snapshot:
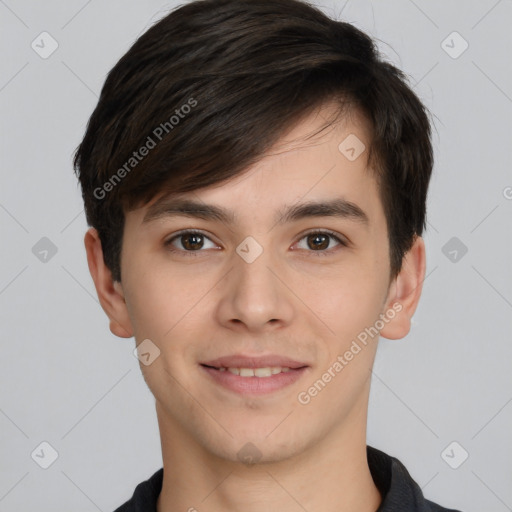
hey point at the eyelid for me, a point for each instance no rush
(342, 240)
(187, 231)
(323, 231)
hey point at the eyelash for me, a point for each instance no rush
(326, 252)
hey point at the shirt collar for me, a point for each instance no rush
(398, 490)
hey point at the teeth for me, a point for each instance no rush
(262, 372)
(256, 372)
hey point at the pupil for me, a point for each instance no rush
(194, 238)
(322, 245)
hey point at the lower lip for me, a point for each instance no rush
(254, 385)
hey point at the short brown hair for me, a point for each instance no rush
(224, 79)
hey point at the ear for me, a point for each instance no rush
(404, 292)
(110, 293)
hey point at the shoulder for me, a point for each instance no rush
(145, 496)
(434, 507)
(398, 489)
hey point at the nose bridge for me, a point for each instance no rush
(254, 295)
(252, 270)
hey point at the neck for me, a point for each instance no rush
(331, 475)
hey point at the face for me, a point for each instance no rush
(283, 292)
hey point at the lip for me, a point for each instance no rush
(242, 361)
(254, 385)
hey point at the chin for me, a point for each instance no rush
(259, 448)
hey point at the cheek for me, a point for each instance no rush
(350, 308)
(165, 303)
(348, 300)
(153, 299)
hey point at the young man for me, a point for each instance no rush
(256, 177)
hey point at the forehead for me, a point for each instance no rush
(315, 168)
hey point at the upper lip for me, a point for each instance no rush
(242, 361)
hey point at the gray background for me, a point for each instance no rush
(66, 380)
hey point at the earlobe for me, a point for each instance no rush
(118, 330)
(405, 291)
(110, 293)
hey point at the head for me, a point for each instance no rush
(256, 108)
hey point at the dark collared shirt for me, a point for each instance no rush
(400, 493)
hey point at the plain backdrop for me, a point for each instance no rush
(441, 398)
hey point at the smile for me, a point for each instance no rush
(255, 372)
(253, 381)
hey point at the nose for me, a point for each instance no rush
(254, 294)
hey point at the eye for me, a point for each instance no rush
(318, 241)
(191, 241)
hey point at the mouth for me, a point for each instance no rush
(263, 372)
(248, 375)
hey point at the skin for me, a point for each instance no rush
(290, 301)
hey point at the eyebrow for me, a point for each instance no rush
(337, 208)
